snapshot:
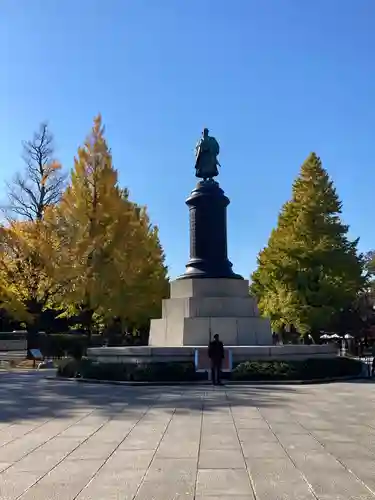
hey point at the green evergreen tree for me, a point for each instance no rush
(370, 265)
(310, 270)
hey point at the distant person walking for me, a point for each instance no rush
(216, 355)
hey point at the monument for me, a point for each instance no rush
(209, 297)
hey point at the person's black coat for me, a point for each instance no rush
(216, 351)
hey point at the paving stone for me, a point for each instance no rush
(342, 450)
(168, 479)
(13, 432)
(93, 420)
(221, 459)
(178, 448)
(40, 461)
(219, 437)
(13, 483)
(257, 435)
(61, 444)
(211, 419)
(112, 433)
(273, 414)
(189, 430)
(337, 486)
(186, 442)
(312, 460)
(79, 430)
(328, 477)
(299, 442)
(221, 497)
(113, 485)
(15, 450)
(251, 424)
(223, 482)
(92, 451)
(363, 469)
(130, 459)
(278, 478)
(333, 437)
(246, 412)
(289, 428)
(144, 437)
(64, 482)
(171, 467)
(257, 449)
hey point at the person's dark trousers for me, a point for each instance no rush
(216, 371)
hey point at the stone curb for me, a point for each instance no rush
(207, 383)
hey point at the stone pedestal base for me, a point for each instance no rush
(199, 308)
(149, 354)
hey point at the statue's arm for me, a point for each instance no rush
(215, 148)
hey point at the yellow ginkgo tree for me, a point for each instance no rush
(29, 257)
(109, 252)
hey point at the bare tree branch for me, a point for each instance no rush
(42, 182)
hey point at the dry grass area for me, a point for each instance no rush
(25, 363)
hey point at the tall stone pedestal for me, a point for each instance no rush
(208, 233)
(209, 297)
(199, 308)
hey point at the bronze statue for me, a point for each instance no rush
(206, 152)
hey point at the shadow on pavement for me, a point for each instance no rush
(30, 395)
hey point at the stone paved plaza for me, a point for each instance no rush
(65, 441)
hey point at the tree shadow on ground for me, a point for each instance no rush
(30, 396)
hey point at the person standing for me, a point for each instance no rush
(216, 355)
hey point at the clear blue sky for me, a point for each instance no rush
(271, 79)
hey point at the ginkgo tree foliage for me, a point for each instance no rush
(25, 245)
(111, 254)
(310, 269)
(92, 254)
(10, 302)
(29, 257)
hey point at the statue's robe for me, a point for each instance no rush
(206, 162)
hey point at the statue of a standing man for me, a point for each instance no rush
(206, 153)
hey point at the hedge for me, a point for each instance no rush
(57, 345)
(161, 372)
(309, 369)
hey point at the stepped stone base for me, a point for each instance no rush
(199, 331)
(199, 308)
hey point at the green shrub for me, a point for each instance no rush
(57, 345)
(104, 371)
(68, 368)
(72, 368)
(313, 368)
(165, 372)
(308, 369)
(158, 372)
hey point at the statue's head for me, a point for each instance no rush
(205, 132)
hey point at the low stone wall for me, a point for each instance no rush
(13, 345)
(148, 354)
(280, 352)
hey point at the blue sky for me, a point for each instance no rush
(273, 80)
